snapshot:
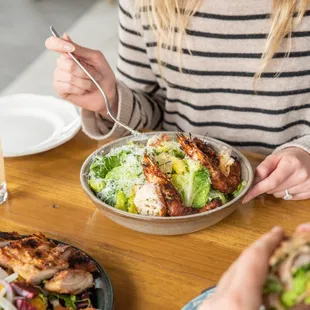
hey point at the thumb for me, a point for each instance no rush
(67, 38)
(80, 51)
(65, 45)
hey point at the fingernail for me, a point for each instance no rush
(246, 199)
(69, 47)
(276, 229)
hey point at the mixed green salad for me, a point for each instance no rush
(117, 176)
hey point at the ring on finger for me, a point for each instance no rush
(287, 195)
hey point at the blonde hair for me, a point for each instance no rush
(170, 18)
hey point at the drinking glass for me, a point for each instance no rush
(3, 189)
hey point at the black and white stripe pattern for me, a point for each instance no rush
(214, 93)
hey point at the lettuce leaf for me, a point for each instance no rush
(193, 185)
(301, 281)
(214, 194)
(69, 300)
(102, 165)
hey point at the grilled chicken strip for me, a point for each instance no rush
(168, 193)
(34, 258)
(224, 179)
(71, 281)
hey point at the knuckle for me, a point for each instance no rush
(262, 168)
(97, 56)
(293, 161)
(298, 163)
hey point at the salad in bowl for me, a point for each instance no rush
(168, 176)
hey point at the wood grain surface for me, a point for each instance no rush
(147, 272)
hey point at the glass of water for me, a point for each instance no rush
(3, 189)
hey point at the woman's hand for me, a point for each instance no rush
(288, 169)
(240, 288)
(72, 84)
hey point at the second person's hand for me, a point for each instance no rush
(72, 84)
(240, 288)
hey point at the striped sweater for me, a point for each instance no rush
(214, 93)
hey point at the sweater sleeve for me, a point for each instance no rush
(139, 105)
(302, 142)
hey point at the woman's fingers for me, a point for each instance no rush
(275, 179)
(59, 45)
(290, 182)
(68, 65)
(66, 89)
(301, 195)
(63, 46)
(299, 177)
(296, 189)
(65, 77)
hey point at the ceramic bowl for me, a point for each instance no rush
(167, 225)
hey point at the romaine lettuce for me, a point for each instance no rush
(301, 281)
(102, 165)
(193, 185)
(218, 195)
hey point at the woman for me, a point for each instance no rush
(218, 68)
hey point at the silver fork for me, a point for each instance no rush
(135, 133)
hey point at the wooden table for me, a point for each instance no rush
(147, 272)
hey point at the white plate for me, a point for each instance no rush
(31, 124)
